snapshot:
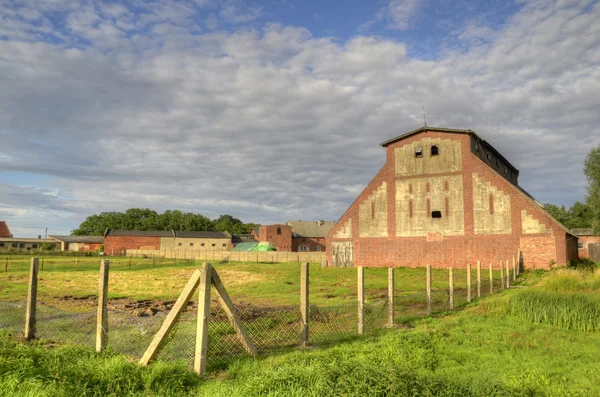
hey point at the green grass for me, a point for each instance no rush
(481, 351)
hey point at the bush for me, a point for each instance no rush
(583, 264)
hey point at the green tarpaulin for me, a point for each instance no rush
(254, 247)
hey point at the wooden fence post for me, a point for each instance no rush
(519, 261)
(172, 317)
(502, 274)
(102, 319)
(479, 279)
(491, 279)
(31, 299)
(361, 299)
(428, 288)
(468, 282)
(304, 303)
(507, 275)
(202, 321)
(514, 269)
(390, 297)
(6, 265)
(451, 287)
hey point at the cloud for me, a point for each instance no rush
(270, 123)
(399, 14)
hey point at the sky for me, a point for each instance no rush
(274, 110)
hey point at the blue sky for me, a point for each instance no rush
(274, 110)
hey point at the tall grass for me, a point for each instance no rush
(577, 311)
(571, 280)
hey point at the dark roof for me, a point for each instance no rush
(202, 234)
(79, 239)
(583, 232)
(242, 238)
(454, 131)
(4, 230)
(311, 229)
(138, 233)
(172, 233)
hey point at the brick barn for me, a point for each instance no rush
(446, 197)
(4, 230)
(295, 236)
(587, 237)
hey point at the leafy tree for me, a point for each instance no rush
(561, 214)
(147, 219)
(592, 172)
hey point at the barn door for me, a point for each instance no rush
(594, 250)
(343, 253)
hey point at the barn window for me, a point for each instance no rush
(436, 214)
(418, 152)
(489, 156)
(497, 163)
(477, 146)
(179, 244)
(214, 245)
(580, 246)
(278, 230)
(34, 245)
(202, 245)
(191, 244)
(505, 169)
(317, 248)
(224, 245)
(435, 150)
(303, 248)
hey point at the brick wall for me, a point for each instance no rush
(441, 250)
(311, 242)
(282, 241)
(585, 241)
(116, 245)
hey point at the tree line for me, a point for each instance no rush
(586, 214)
(147, 219)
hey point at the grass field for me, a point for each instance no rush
(534, 340)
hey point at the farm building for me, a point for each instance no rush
(27, 243)
(296, 236)
(117, 242)
(4, 230)
(587, 238)
(446, 197)
(79, 243)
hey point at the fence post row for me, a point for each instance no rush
(468, 282)
(202, 321)
(361, 299)
(390, 297)
(304, 303)
(451, 287)
(31, 300)
(102, 318)
(428, 288)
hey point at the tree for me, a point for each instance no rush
(561, 214)
(592, 172)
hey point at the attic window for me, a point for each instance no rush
(418, 152)
(497, 163)
(278, 230)
(489, 157)
(436, 214)
(505, 169)
(477, 146)
(435, 150)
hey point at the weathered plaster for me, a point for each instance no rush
(490, 216)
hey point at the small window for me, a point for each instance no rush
(224, 245)
(497, 163)
(489, 156)
(303, 248)
(191, 244)
(21, 245)
(418, 152)
(214, 245)
(179, 244)
(278, 230)
(435, 150)
(436, 214)
(477, 146)
(1, 244)
(580, 246)
(506, 170)
(34, 245)
(317, 248)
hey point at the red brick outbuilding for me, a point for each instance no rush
(4, 230)
(446, 197)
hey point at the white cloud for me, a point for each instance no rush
(274, 124)
(399, 14)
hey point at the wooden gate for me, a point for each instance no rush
(594, 250)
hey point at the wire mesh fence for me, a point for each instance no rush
(62, 326)
(12, 316)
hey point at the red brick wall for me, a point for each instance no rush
(116, 245)
(282, 242)
(585, 240)
(311, 242)
(454, 251)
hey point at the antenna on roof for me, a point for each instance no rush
(424, 116)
